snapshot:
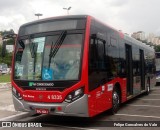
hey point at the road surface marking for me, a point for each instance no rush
(71, 127)
(155, 88)
(138, 116)
(143, 106)
(15, 117)
(7, 108)
(148, 99)
(53, 125)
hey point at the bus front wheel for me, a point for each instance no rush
(115, 101)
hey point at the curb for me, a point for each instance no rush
(5, 85)
(15, 117)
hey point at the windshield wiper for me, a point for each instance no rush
(33, 48)
(54, 48)
(32, 45)
(21, 43)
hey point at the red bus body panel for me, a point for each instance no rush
(100, 99)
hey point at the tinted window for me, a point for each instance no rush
(48, 26)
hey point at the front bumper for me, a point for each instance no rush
(76, 108)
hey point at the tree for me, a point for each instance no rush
(7, 32)
(7, 59)
(157, 48)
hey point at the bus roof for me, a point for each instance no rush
(139, 43)
(57, 18)
(126, 37)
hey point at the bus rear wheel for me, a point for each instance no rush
(115, 101)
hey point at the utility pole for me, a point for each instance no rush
(38, 15)
(69, 8)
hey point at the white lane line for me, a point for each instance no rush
(155, 94)
(144, 106)
(63, 126)
(15, 117)
(54, 125)
(138, 116)
(155, 88)
(7, 108)
(148, 99)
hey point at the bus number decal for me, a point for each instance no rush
(55, 97)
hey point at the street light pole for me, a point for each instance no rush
(67, 9)
(38, 15)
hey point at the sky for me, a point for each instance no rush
(126, 15)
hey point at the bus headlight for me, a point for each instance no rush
(16, 93)
(74, 95)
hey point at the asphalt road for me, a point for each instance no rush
(6, 103)
(143, 108)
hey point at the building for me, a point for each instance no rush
(152, 38)
(140, 35)
(156, 41)
(9, 48)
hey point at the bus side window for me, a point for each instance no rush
(92, 55)
(101, 56)
(97, 55)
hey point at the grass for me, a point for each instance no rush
(5, 78)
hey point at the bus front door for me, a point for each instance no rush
(142, 69)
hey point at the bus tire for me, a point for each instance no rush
(148, 87)
(115, 101)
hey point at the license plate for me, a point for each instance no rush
(42, 111)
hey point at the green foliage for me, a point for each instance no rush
(7, 59)
(157, 48)
(5, 78)
(6, 32)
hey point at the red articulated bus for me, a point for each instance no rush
(78, 66)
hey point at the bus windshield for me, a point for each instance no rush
(49, 57)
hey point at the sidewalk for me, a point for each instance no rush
(6, 103)
(5, 85)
